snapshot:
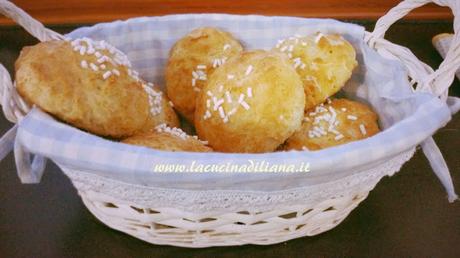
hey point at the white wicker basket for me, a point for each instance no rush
(150, 214)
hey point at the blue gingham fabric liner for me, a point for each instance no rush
(408, 117)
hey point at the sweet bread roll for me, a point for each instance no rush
(90, 85)
(337, 122)
(252, 103)
(167, 138)
(191, 60)
(324, 63)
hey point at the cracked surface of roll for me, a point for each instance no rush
(324, 63)
(334, 123)
(90, 84)
(252, 103)
(191, 61)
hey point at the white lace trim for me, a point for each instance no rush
(228, 201)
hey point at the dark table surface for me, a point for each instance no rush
(406, 215)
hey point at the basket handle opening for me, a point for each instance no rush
(13, 106)
(31, 25)
(435, 81)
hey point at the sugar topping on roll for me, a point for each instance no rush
(334, 123)
(324, 62)
(192, 60)
(252, 103)
(170, 139)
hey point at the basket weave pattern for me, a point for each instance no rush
(153, 214)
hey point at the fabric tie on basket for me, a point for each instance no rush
(408, 117)
(7, 142)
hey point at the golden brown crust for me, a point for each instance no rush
(350, 116)
(202, 46)
(167, 141)
(324, 62)
(271, 110)
(51, 75)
